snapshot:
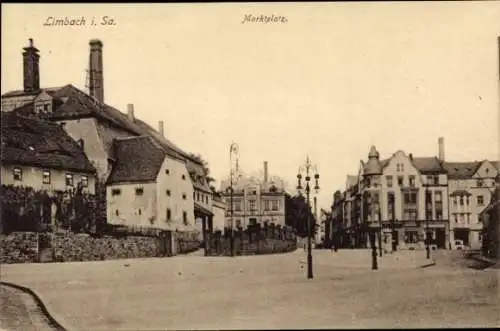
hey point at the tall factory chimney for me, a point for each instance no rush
(96, 80)
(130, 112)
(441, 149)
(265, 172)
(161, 128)
(31, 68)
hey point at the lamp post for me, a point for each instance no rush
(233, 157)
(374, 247)
(427, 237)
(372, 229)
(380, 232)
(393, 222)
(307, 168)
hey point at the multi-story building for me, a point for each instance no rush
(351, 217)
(255, 201)
(490, 217)
(337, 220)
(153, 191)
(414, 198)
(39, 154)
(471, 186)
(95, 125)
(404, 197)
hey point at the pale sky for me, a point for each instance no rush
(330, 82)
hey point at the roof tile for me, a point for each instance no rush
(28, 141)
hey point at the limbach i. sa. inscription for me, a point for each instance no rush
(78, 21)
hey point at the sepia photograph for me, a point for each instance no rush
(239, 166)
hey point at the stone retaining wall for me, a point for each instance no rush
(28, 247)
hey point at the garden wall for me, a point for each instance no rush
(29, 247)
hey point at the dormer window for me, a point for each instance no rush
(43, 107)
(69, 180)
(17, 174)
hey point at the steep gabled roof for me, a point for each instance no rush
(70, 102)
(19, 93)
(428, 164)
(34, 142)
(74, 103)
(138, 159)
(460, 170)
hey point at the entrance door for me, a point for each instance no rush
(462, 234)
(165, 245)
(441, 238)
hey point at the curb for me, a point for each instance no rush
(58, 323)
(432, 264)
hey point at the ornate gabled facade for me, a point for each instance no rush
(255, 200)
(404, 197)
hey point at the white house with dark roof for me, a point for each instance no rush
(149, 187)
(96, 125)
(39, 154)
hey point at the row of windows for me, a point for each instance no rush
(200, 197)
(139, 191)
(184, 216)
(167, 171)
(431, 179)
(462, 218)
(252, 205)
(17, 174)
(465, 200)
(169, 215)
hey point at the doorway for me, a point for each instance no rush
(441, 238)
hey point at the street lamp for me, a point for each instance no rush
(372, 228)
(380, 232)
(427, 237)
(307, 168)
(233, 157)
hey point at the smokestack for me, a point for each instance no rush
(31, 68)
(96, 80)
(265, 172)
(441, 149)
(161, 128)
(130, 112)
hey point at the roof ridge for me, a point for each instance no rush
(130, 138)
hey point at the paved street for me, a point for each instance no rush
(192, 292)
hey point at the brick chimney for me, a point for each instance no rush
(161, 128)
(130, 112)
(31, 68)
(441, 149)
(96, 80)
(266, 178)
